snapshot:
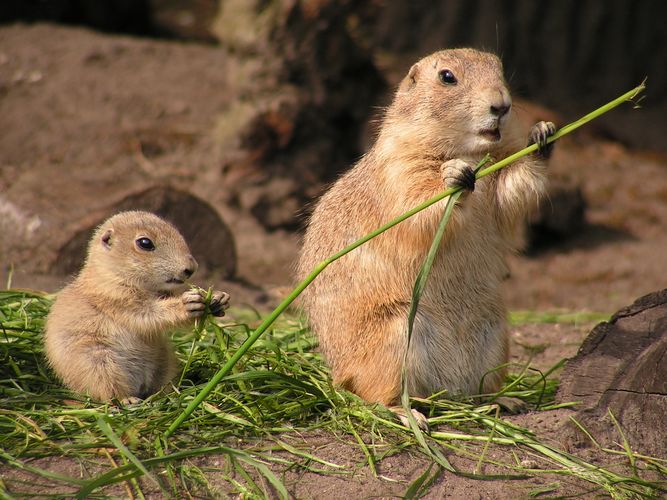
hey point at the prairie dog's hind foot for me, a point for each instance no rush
(539, 134)
(422, 421)
(511, 405)
(132, 400)
(458, 173)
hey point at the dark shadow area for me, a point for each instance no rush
(589, 236)
(116, 16)
(179, 19)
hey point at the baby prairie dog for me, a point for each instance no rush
(105, 334)
(451, 109)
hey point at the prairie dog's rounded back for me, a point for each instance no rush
(139, 249)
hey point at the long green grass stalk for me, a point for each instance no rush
(605, 478)
(104, 426)
(270, 319)
(418, 289)
(420, 283)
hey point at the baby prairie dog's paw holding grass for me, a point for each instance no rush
(219, 302)
(195, 302)
(199, 301)
(539, 134)
(458, 173)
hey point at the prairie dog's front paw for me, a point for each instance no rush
(539, 134)
(458, 174)
(219, 302)
(195, 303)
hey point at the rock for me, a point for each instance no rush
(621, 369)
(208, 237)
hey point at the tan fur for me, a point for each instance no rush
(105, 334)
(358, 306)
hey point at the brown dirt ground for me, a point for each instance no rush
(617, 257)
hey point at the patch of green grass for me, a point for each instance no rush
(280, 388)
(552, 317)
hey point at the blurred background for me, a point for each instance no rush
(231, 117)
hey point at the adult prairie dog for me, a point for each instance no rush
(451, 109)
(105, 334)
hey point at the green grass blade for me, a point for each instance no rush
(370, 458)
(299, 453)
(104, 426)
(416, 488)
(418, 288)
(128, 471)
(266, 472)
(40, 472)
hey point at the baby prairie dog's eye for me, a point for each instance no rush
(447, 77)
(145, 244)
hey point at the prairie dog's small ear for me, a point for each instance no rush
(106, 239)
(410, 79)
(414, 72)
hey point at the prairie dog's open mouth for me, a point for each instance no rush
(490, 134)
(175, 281)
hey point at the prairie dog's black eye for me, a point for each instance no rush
(447, 77)
(145, 244)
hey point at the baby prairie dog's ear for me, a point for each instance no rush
(410, 79)
(106, 239)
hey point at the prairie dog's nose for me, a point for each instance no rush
(191, 267)
(500, 110)
(501, 103)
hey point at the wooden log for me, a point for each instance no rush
(621, 368)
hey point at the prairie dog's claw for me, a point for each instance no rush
(219, 302)
(539, 134)
(132, 400)
(458, 173)
(194, 302)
